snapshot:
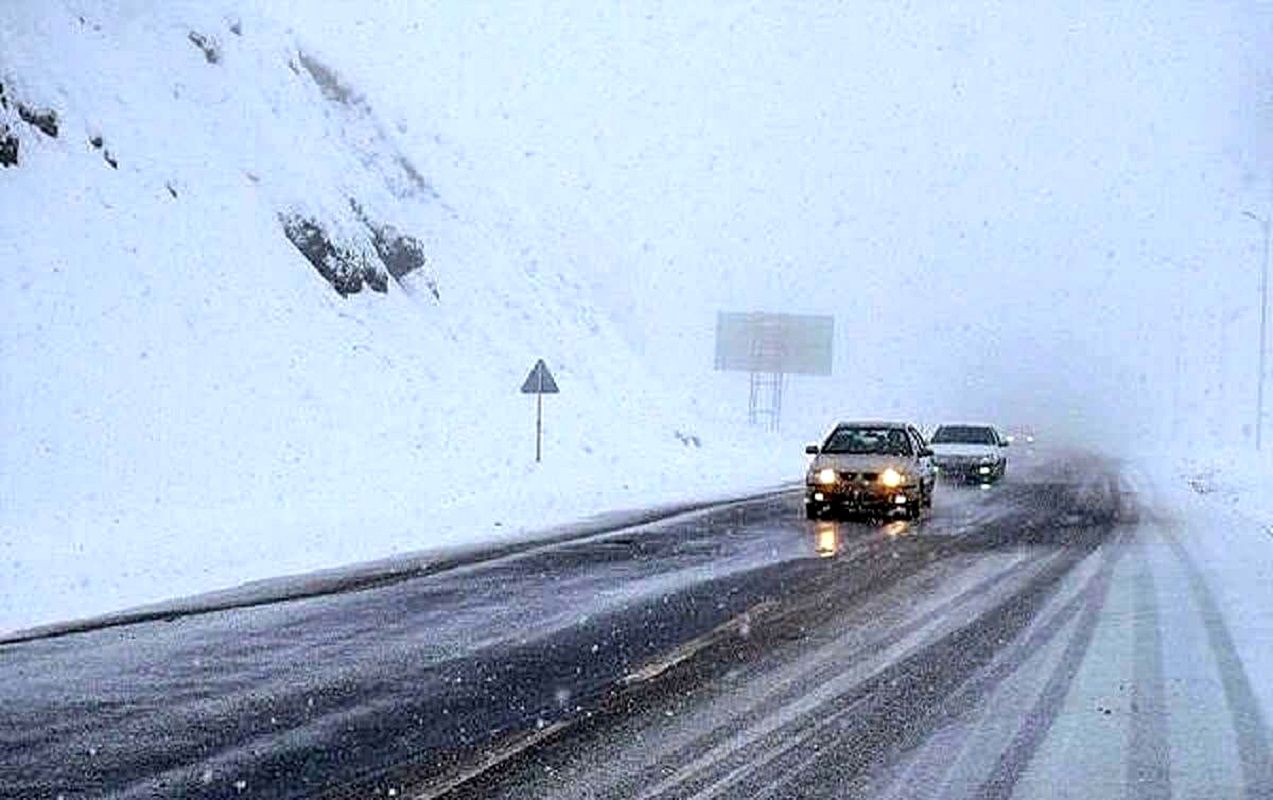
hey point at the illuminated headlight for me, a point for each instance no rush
(984, 470)
(892, 478)
(826, 476)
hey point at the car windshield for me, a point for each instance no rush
(964, 434)
(868, 441)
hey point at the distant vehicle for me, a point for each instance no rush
(870, 467)
(971, 453)
(1025, 435)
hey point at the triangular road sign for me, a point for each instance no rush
(540, 380)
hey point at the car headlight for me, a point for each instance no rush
(891, 478)
(825, 476)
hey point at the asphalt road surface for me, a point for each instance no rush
(1015, 642)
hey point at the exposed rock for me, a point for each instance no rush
(96, 142)
(688, 439)
(329, 83)
(8, 147)
(207, 44)
(110, 159)
(400, 253)
(4, 101)
(43, 118)
(377, 280)
(345, 268)
(236, 27)
(171, 189)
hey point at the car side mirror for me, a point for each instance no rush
(926, 452)
(1004, 443)
(811, 449)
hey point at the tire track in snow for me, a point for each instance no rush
(1030, 734)
(735, 754)
(875, 718)
(1249, 725)
(1149, 760)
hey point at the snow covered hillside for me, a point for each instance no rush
(250, 329)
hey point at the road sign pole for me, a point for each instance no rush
(1266, 224)
(539, 383)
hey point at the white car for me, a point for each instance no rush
(972, 453)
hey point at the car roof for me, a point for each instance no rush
(869, 423)
(966, 425)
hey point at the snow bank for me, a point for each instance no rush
(1239, 480)
(188, 402)
(1222, 502)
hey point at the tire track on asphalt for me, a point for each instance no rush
(875, 718)
(872, 553)
(1038, 721)
(787, 705)
(967, 709)
(1002, 625)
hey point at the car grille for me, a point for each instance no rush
(859, 477)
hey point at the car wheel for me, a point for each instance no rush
(928, 495)
(812, 512)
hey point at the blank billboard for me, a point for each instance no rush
(762, 342)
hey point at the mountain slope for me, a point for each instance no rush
(246, 335)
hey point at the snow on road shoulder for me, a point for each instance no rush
(106, 560)
(1240, 481)
(1221, 505)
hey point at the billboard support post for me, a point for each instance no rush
(769, 347)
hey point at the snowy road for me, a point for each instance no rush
(1049, 637)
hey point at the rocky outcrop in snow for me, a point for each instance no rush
(346, 268)
(8, 147)
(45, 119)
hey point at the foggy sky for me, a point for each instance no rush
(1013, 211)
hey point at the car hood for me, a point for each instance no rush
(982, 450)
(845, 462)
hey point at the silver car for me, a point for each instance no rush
(883, 468)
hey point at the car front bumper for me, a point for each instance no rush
(850, 498)
(969, 470)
